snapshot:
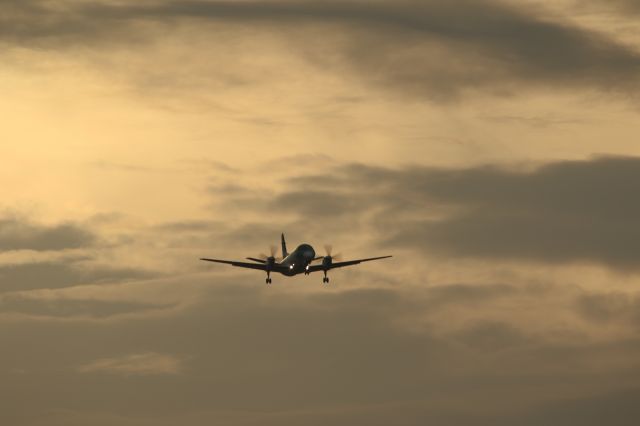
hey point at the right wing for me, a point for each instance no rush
(315, 268)
(259, 266)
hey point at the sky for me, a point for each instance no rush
(489, 146)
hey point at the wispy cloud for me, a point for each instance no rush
(20, 234)
(62, 273)
(143, 364)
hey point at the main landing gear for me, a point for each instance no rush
(268, 280)
(325, 280)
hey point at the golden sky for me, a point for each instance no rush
(490, 146)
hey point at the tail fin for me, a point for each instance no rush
(284, 247)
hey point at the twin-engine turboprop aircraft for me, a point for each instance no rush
(294, 263)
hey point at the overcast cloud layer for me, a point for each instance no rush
(490, 146)
(425, 49)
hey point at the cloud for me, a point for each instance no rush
(135, 364)
(120, 167)
(33, 307)
(622, 7)
(317, 203)
(605, 308)
(493, 335)
(618, 408)
(62, 273)
(425, 50)
(20, 234)
(288, 355)
(560, 212)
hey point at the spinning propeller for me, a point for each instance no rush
(328, 248)
(273, 250)
(327, 261)
(269, 260)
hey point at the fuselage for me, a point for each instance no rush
(297, 261)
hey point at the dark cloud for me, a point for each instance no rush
(619, 408)
(610, 307)
(314, 203)
(427, 49)
(621, 7)
(19, 234)
(253, 355)
(65, 308)
(457, 293)
(627, 4)
(562, 212)
(59, 274)
(566, 211)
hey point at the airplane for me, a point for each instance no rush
(294, 263)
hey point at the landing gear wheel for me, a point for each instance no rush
(268, 280)
(325, 280)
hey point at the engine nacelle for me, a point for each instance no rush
(270, 261)
(326, 262)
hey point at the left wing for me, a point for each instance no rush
(334, 265)
(259, 266)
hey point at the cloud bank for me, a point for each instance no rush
(423, 50)
(566, 211)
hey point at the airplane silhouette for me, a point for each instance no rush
(294, 263)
